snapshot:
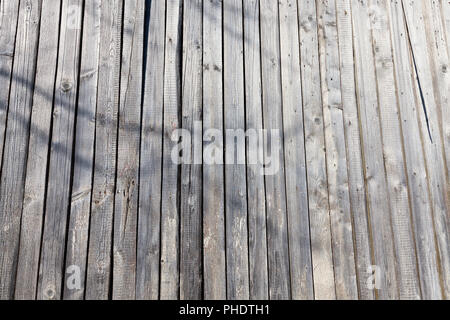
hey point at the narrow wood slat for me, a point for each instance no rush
(431, 137)
(61, 147)
(191, 173)
(322, 256)
(127, 184)
(277, 232)
(108, 95)
(256, 196)
(375, 174)
(235, 173)
(301, 272)
(410, 109)
(393, 154)
(36, 176)
(9, 13)
(338, 186)
(214, 272)
(148, 247)
(170, 264)
(83, 167)
(16, 142)
(357, 190)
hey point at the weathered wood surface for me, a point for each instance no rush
(345, 196)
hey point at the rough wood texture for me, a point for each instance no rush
(83, 168)
(16, 142)
(148, 247)
(214, 271)
(312, 160)
(102, 206)
(277, 233)
(127, 183)
(38, 152)
(319, 211)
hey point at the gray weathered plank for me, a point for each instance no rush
(170, 275)
(78, 232)
(9, 13)
(357, 189)
(191, 173)
(36, 176)
(375, 174)
(108, 95)
(393, 154)
(256, 195)
(410, 108)
(16, 142)
(148, 250)
(127, 183)
(432, 139)
(301, 272)
(60, 166)
(214, 272)
(322, 256)
(277, 233)
(338, 186)
(235, 173)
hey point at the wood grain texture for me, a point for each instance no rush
(256, 195)
(319, 211)
(9, 13)
(277, 233)
(393, 154)
(127, 183)
(191, 173)
(214, 272)
(60, 166)
(83, 167)
(338, 186)
(170, 203)
(372, 145)
(13, 168)
(357, 190)
(235, 170)
(38, 152)
(421, 209)
(432, 140)
(149, 219)
(102, 206)
(294, 151)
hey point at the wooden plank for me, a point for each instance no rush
(108, 95)
(78, 232)
(357, 191)
(148, 250)
(126, 198)
(9, 13)
(61, 147)
(235, 173)
(375, 174)
(440, 63)
(214, 272)
(36, 176)
(170, 189)
(393, 154)
(432, 140)
(256, 196)
(322, 256)
(414, 155)
(191, 173)
(338, 186)
(277, 235)
(295, 158)
(16, 142)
